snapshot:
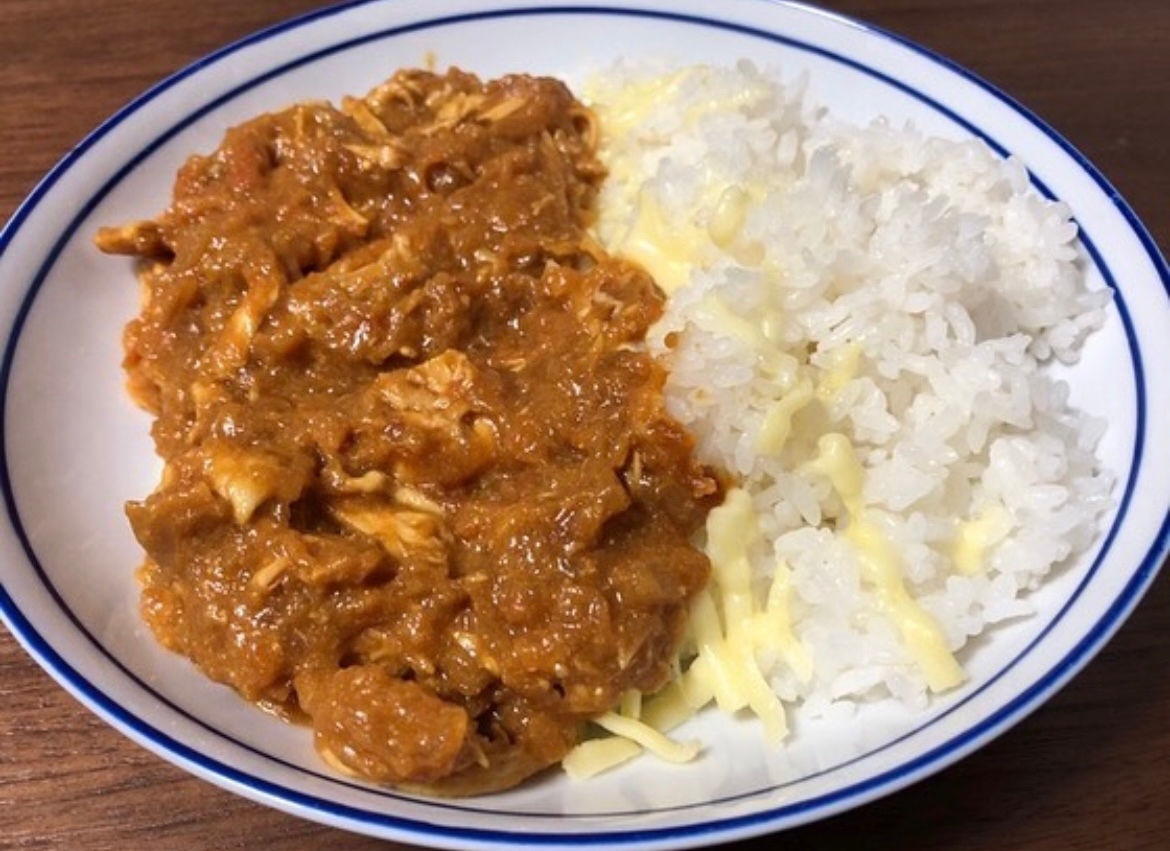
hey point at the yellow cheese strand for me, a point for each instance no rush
(882, 567)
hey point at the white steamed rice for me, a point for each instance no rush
(919, 287)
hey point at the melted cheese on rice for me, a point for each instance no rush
(846, 301)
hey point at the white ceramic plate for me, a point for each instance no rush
(74, 449)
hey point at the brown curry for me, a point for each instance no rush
(420, 488)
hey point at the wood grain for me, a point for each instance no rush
(1089, 771)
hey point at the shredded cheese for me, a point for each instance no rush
(773, 626)
(631, 704)
(652, 740)
(727, 646)
(975, 537)
(594, 756)
(777, 425)
(674, 705)
(882, 567)
(842, 365)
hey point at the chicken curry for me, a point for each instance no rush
(420, 490)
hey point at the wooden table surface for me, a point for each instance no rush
(1090, 770)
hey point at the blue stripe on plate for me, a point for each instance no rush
(896, 777)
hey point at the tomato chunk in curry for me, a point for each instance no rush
(420, 488)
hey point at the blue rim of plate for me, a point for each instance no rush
(776, 816)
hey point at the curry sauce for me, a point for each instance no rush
(420, 488)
